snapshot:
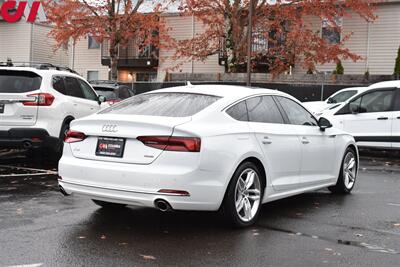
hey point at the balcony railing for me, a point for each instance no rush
(131, 55)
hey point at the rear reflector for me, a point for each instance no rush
(172, 143)
(74, 136)
(41, 99)
(174, 192)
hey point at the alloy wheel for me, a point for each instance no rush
(349, 170)
(247, 195)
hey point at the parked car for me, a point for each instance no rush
(113, 91)
(318, 107)
(205, 147)
(372, 116)
(38, 103)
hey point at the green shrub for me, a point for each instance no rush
(397, 65)
(339, 68)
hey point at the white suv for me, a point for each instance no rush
(38, 103)
(372, 116)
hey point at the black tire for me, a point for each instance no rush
(108, 205)
(57, 150)
(228, 207)
(341, 187)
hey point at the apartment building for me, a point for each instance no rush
(376, 42)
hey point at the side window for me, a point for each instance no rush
(377, 101)
(397, 105)
(296, 113)
(72, 87)
(263, 109)
(238, 111)
(58, 84)
(88, 92)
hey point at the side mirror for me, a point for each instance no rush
(101, 99)
(324, 123)
(330, 101)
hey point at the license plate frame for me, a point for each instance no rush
(110, 147)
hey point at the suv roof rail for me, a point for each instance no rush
(37, 65)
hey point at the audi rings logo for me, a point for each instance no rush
(111, 128)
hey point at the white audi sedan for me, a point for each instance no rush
(205, 147)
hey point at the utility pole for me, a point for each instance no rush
(249, 42)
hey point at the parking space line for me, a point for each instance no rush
(25, 174)
(28, 169)
(28, 265)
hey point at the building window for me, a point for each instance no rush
(92, 75)
(92, 43)
(332, 33)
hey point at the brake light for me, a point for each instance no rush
(42, 99)
(172, 143)
(112, 102)
(74, 136)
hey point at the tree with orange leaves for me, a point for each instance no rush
(116, 21)
(284, 27)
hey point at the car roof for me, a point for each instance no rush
(352, 88)
(233, 91)
(42, 72)
(385, 84)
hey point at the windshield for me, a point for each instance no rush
(342, 96)
(163, 104)
(19, 81)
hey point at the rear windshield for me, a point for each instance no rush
(19, 81)
(163, 104)
(109, 93)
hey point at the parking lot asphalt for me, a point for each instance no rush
(41, 227)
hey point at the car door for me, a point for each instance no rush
(396, 122)
(369, 118)
(84, 103)
(318, 147)
(278, 141)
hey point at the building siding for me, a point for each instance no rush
(15, 39)
(83, 59)
(182, 28)
(44, 47)
(379, 52)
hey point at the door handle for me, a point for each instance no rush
(266, 140)
(398, 118)
(304, 140)
(382, 118)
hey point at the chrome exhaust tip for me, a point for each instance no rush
(162, 205)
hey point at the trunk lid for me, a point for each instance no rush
(15, 88)
(126, 127)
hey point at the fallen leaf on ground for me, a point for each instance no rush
(148, 257)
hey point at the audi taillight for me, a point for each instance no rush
(172, 143)
(41, 99)
(74, 136)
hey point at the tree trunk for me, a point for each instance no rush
(114, 61)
